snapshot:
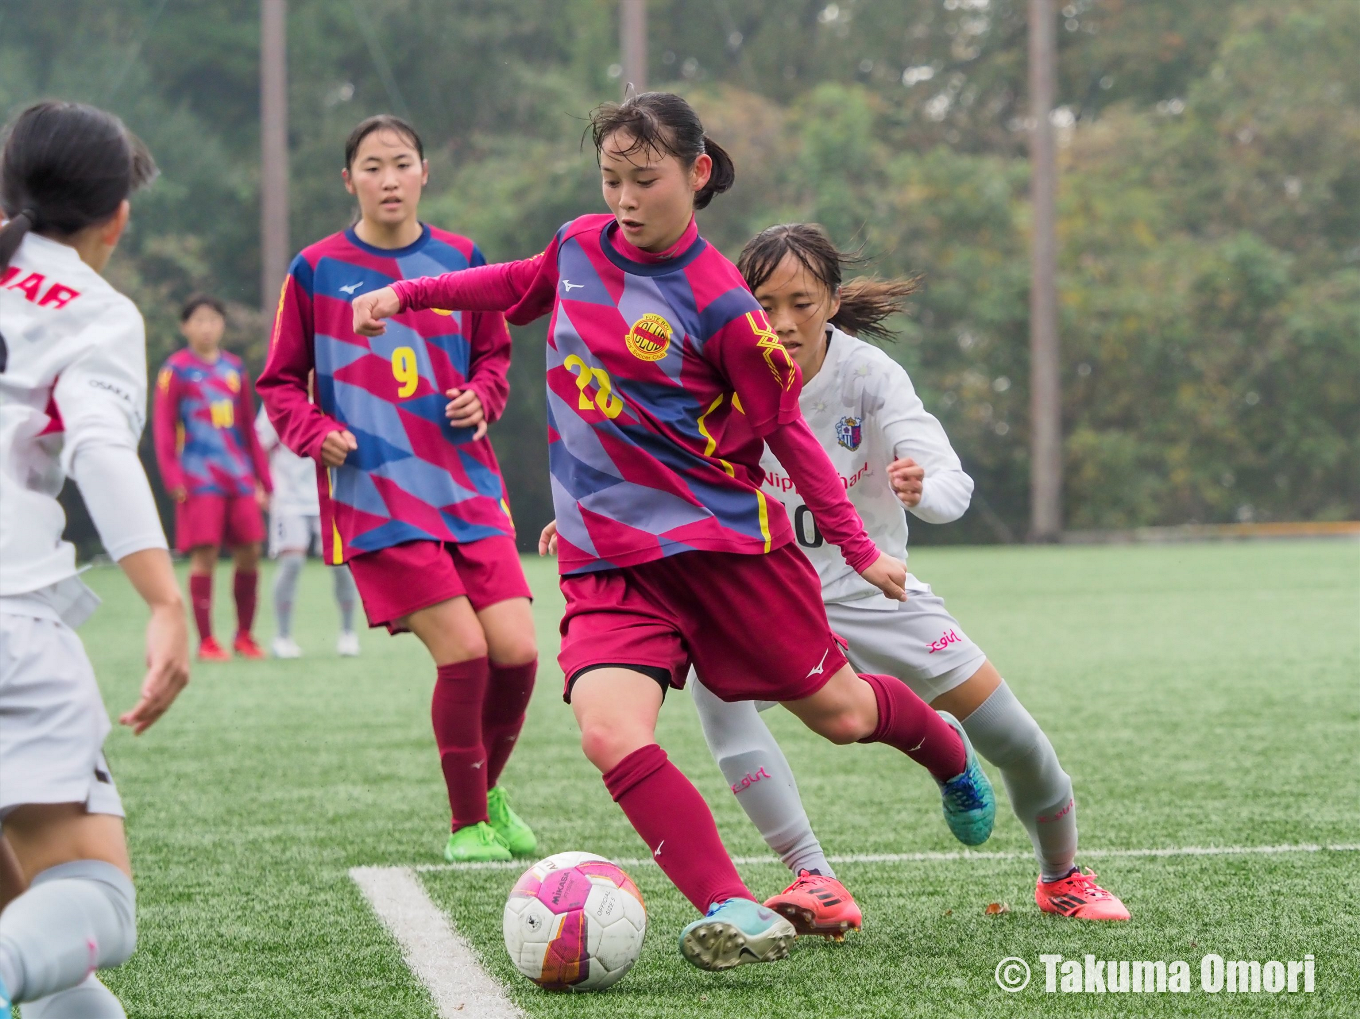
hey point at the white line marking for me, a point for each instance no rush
(434, 951)
(959, 854)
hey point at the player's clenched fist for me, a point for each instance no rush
(907, 479)
(337, 446)
(370, 309)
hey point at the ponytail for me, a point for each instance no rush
(65, 167)
(866, 302)
(720, 179)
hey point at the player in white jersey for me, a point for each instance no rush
(294, 531)
(892, 455)
(72, 404)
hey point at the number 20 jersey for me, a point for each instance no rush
(414, 477)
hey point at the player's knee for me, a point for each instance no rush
(514, 653)
(845, 726)
(605, 746)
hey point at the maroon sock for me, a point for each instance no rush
(507, 697)
(675, 822)
(909, 724)
(456, 711)
(200, 593)
(247, 582)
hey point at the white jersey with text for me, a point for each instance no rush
(72, 382)
(864, 410)
(294, 476)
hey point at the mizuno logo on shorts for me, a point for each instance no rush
(818, 670)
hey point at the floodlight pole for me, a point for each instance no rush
(633, 44)
(274, 249)
(1046, 466)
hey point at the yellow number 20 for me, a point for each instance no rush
(223, 413)
(609, 402)
(405, 370)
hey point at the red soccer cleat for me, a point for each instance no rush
(245, 646)
(1077, 895)
(211, 651)
(816, 904)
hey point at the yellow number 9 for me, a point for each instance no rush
(405, 370)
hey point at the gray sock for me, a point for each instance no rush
(345, 596)
(285, 591)
(75, 918)
(1007, 735)
(759, 774)
(88, 999)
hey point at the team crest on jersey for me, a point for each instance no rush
(233, 381)
(850, 432)
(649, 338)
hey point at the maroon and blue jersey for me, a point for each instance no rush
(204, 424)
(650, 359)
(414, 477)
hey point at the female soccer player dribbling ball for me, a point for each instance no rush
(411, 494)
(661, 369)
(72, 404)
(892, 454)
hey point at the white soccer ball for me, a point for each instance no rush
(574, 922)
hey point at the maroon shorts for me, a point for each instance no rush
(753, 626)
(218, 520)
(405, 578)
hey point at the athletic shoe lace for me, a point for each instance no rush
(962, 792)
(1084, 883)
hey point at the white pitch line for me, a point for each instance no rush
(434, 951)
(958, 854)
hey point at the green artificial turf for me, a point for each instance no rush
(1197, 694)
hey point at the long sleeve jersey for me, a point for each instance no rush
(863, 409)
(72, 403)
(414, 476)
(650, 360)
(203, 421)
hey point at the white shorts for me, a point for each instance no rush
(52, 720)
(295, 531)
(917, 641)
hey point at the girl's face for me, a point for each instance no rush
(387, 176)
(203, 329)
(799, 306)
(650, 193)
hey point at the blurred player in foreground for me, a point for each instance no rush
(72, 399)
(294, 531)
(669, 552)
(213, 467)
(411, 493)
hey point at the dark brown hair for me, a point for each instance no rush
(197, 301)
(665, 122)
(866, 302)
(66, 166)
(382, 122)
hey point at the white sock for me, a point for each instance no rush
(1007, 735)
(346, 594)
(759, 774)
(285, 591)
(73, 919)
(88, 999)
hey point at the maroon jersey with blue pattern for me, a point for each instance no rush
(204, 424)
(414, 477)
(650, 359)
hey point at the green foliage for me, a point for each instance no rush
(1209, 199)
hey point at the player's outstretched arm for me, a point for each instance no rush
(167, 636)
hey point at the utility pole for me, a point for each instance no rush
(1046, 460)
(633, 44)
(274, 249)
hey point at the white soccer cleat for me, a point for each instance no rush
(347, 645)
(285, 647)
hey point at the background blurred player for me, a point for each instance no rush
(411, 494)
(213, 467)
(294, 531)
(72, 403)
(669, 551)
(891, 453)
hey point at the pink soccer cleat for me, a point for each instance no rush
(245, 646)
(211, 651)
(816, 904)
(1077, 895)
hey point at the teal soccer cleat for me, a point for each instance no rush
(735, 932)
(969, 802)
(6, 1012)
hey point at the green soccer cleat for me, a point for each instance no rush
(509, 825)
(735, 932)
(477, 843)
(969, 802)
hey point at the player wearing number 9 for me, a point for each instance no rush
(411, 494)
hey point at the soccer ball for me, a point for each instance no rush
(574, 922)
